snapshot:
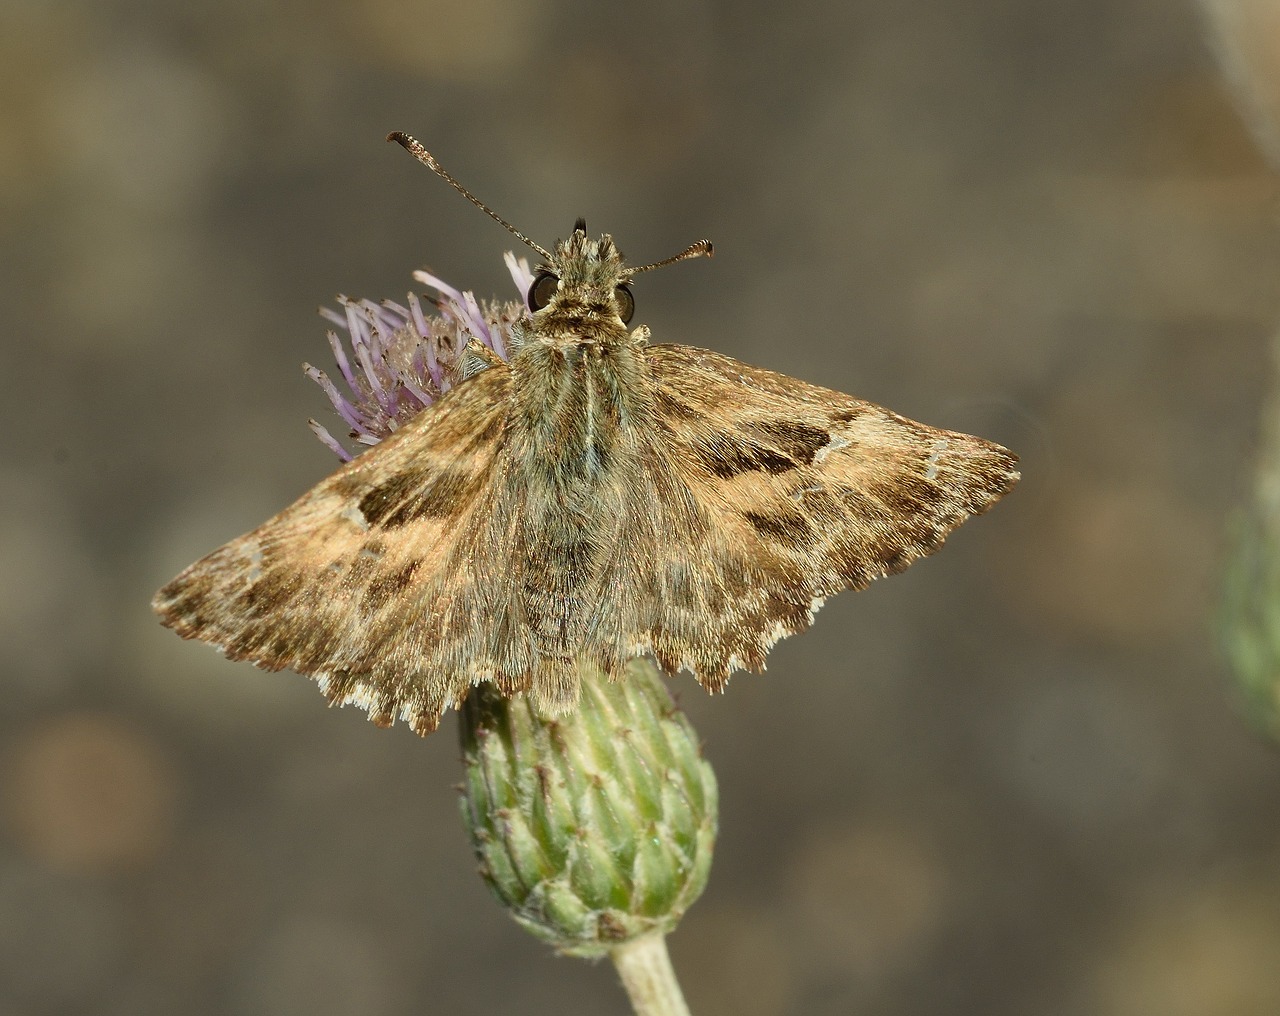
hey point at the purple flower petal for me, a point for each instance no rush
(521, 274)
(340, 357)
(345, 409)
(328, 441)
(397, 358)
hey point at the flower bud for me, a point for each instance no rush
(1251, 616)
(592, 828)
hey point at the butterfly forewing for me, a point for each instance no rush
(380, 581)
(775, 494)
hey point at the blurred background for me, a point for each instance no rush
(1016, 779)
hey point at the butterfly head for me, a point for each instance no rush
(584, 278)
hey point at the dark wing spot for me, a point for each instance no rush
(389, 495)
(387, 587)
(847, 416)
(728, 456)
(346, 486)
(789, 528)
(271, 593)
(411, 496)
(909, 495)
(798, 440)
(449, 493)
(670, 406)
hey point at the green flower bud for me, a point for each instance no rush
(1251, 617)
(594, 828)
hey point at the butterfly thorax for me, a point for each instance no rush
(580, 382)
(576, 403)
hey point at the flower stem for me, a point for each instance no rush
(649, 978)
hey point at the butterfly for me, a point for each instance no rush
(591, 498)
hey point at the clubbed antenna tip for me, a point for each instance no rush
(414, 147)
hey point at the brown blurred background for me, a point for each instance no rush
(1011, 781)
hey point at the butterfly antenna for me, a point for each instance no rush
(414, 147)
(700, 249)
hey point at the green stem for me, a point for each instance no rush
(650, 980)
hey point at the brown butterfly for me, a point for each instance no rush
(591, 499)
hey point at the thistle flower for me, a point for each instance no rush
(595, 830)
(402, 360)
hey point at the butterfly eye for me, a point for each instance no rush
(626, 303)
(543, 289)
